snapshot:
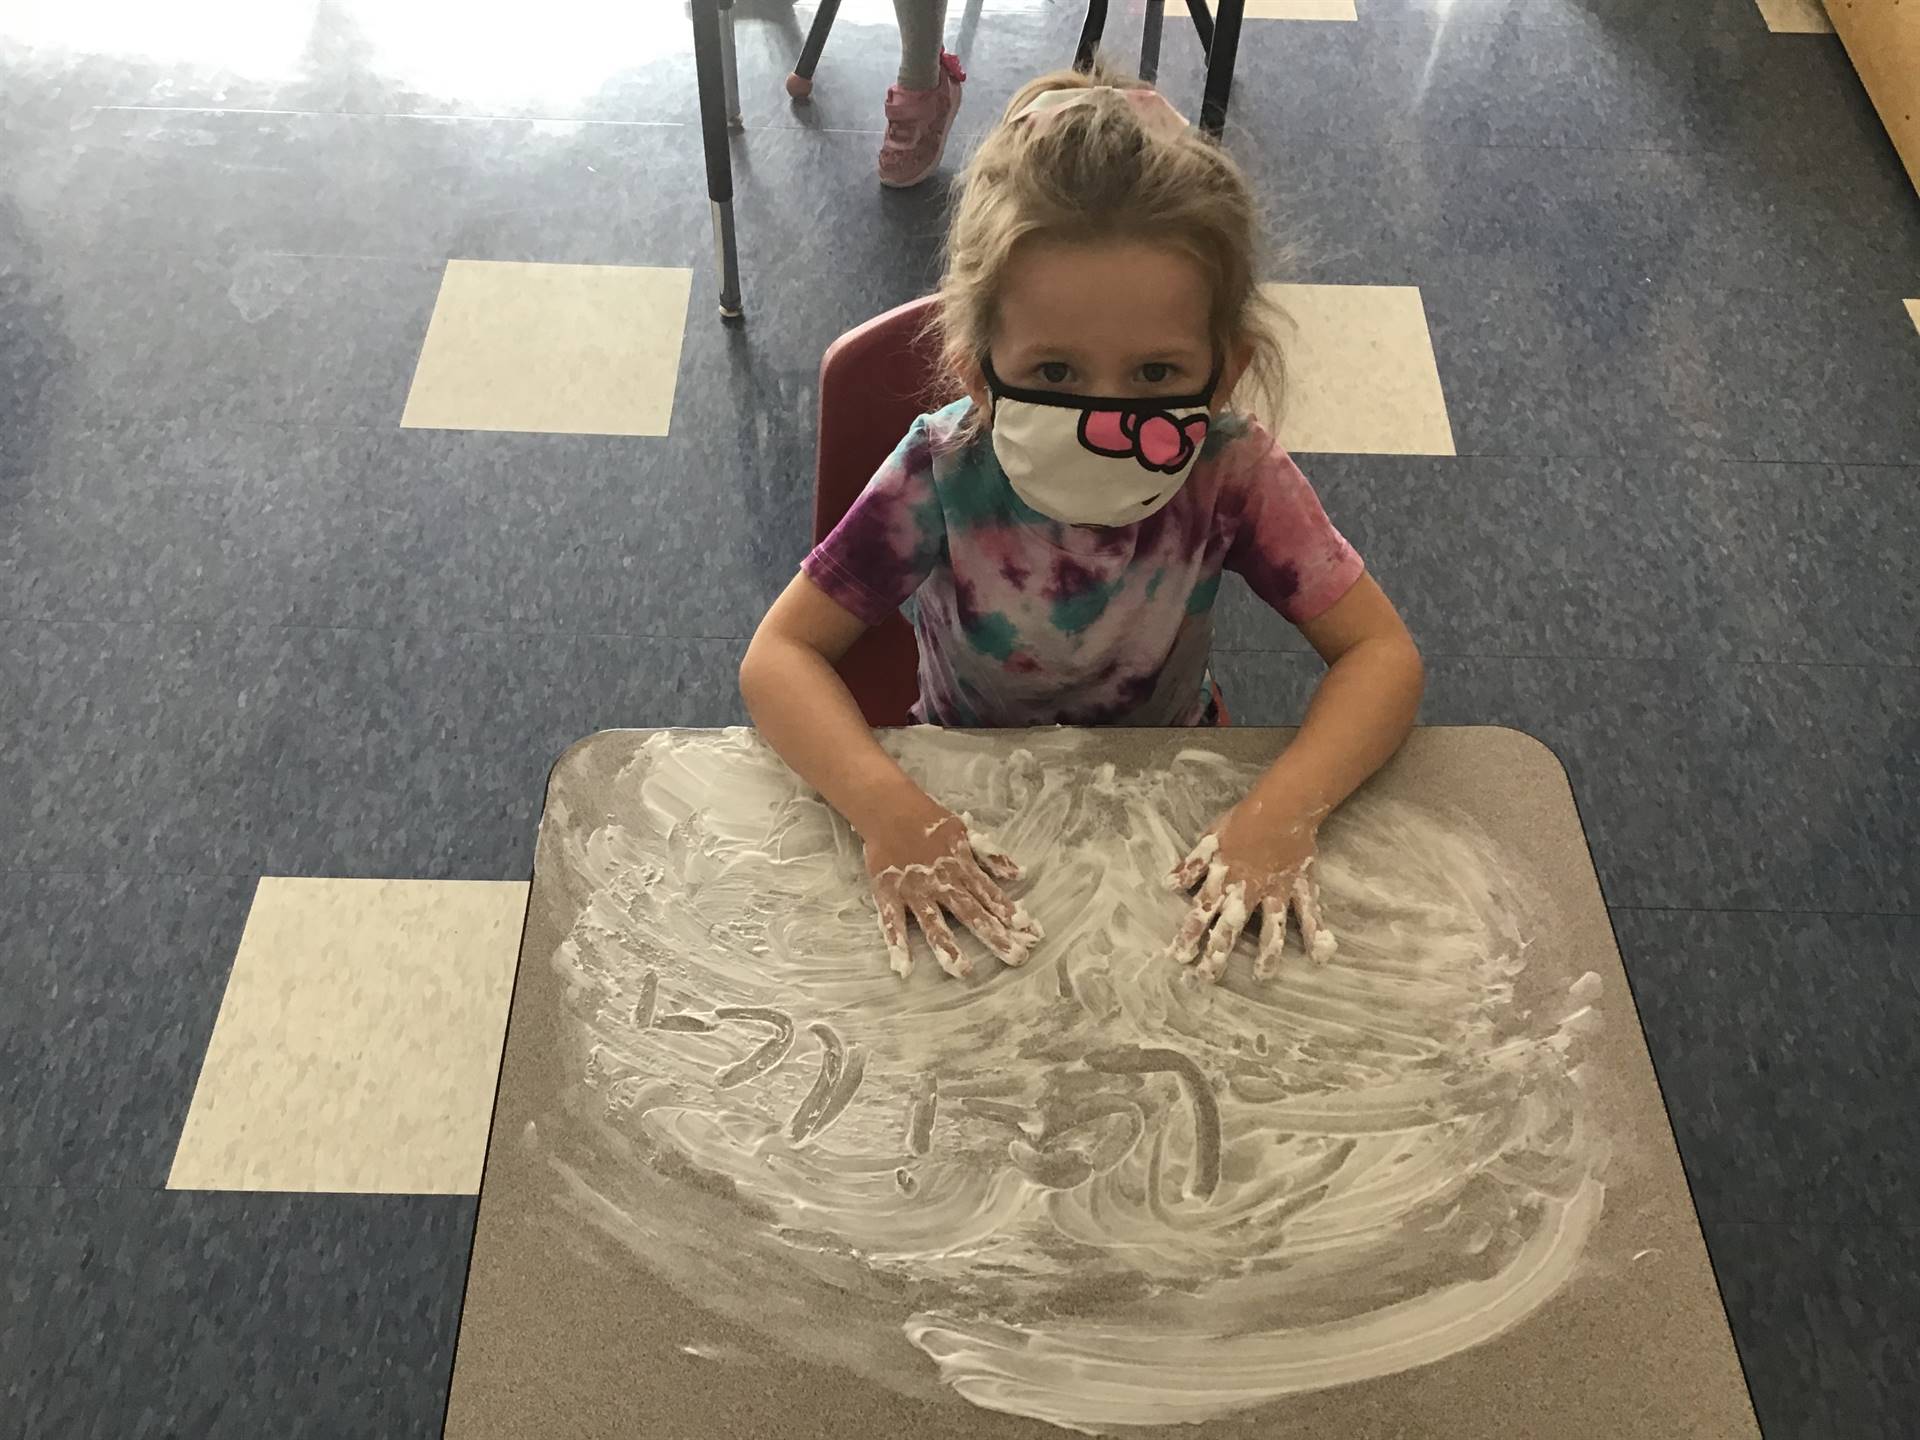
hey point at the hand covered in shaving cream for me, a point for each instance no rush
(1250, 863)
(938, 864)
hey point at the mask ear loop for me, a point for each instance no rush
(994, 387)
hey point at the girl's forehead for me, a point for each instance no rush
(1129, 293)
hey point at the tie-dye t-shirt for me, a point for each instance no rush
(1022, 620)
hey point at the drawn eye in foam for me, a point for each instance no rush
(1086, 1191)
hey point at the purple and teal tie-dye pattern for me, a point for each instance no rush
(1024, 621)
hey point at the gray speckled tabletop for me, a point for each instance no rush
(665, 1256)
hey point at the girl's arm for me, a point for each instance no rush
(1361, 712)
(1259, 856)
(922, 861)
(802, 707)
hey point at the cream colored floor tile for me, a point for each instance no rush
(578, 349)
(1913, 309)
(1795, 17)
(1361, 377)
(358, 1043)
(1300, 10)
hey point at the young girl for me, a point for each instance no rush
(1062, 529)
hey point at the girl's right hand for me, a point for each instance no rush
(931, 861)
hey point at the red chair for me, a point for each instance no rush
(874, 381)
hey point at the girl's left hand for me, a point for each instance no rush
(1250, 861)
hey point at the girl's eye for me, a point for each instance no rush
(1156, 372)
(1054, 372)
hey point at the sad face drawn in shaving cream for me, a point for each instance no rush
(1086, 1190)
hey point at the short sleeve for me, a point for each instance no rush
(887, 544)
(1282, 543)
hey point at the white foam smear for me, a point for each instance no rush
(1090, 1190)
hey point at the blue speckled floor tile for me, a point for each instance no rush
(1827, 1324)
(1663, 364)
(1672, 761)
(1404, 212)
(1590, 17)
(136, 748)
(166, 521)
(255, 338)
(291, 1316)
(1267, 688)
(1784, 1046)
(1658, 557)
(432, 750)
(794, 190)
(72, 1262)
(1767, 787)
(370, 186)
(113, 983)
(1654, 79)
(306, 751)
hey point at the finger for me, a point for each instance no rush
(946, 949)
(1200, 916)
(995, 861)
(1192, 870)
(1273, 937)
(1007, 947)
(1315, 938)
(1227, 929)
(1012, 915)
(893, 929)
(1025, 924)
(991, 897)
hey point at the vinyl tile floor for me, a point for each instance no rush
(368, 435)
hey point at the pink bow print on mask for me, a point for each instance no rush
(1156, 439)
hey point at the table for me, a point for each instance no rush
(743, 1181)
(716, 71)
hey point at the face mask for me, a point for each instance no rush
(1087, 461)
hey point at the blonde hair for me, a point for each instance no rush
(1094, 172)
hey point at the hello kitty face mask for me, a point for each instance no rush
(1087, 461)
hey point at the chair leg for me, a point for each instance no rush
(969, 26)
(709, 74)
(1150, 40)
(1220, 58)
(730, 67)
(1090, 33)
(1202, 23)
(800, 82)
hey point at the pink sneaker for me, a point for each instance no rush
(917, 126)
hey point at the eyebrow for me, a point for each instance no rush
(1041, 353)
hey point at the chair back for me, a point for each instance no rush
(874, 381)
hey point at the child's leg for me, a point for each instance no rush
(922, 23)
(920, 109)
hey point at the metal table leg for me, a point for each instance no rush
(708, 70)
(1220, 57)
(730, 65)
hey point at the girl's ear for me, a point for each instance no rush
(1237, 361)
